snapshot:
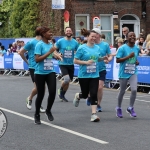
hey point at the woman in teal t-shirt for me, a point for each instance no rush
(88, 56)
(127, 57)
(45, 73)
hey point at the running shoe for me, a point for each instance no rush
(119, 113)
(49, 116)
(95, 118)
(64, 99)
(42, 110)
(28, 103)
(76, 100)
(131, 112)
(37, 119)
(99, 108)
(88, 101)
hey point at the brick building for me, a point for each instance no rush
(110, 16)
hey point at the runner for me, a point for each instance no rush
(30, 48)
(44, 73)
(67, 47)
(105, 51)
(87, 56)
(127, 57)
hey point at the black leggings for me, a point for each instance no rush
(40, 81)
(89, 85)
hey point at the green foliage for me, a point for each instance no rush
(20, 19)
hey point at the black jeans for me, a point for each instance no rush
(89, 86)
(40, 81)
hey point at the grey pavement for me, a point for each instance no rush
(22, 134)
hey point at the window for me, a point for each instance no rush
(107, 27)
(81, 21)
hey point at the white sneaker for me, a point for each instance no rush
(76, 100)
(28, 103)
(42, 110)
(94, 118)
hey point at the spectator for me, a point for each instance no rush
(14, 47)
(125, 31)
(103, 37)
(2, 50)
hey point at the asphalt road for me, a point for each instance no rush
(71, 129)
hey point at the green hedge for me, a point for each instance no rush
(19, 18)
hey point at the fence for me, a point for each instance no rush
(13, 62)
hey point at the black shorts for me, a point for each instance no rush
(32, 74)
(67, 70)
(102, 75)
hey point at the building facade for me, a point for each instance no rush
(110, 16)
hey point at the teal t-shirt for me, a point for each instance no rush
(128, 67)
(30, 47)
(105, 50)
(2, 52)
(86, 53)
(67, 48)
(46, 66)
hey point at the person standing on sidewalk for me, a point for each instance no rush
(67, 47)
(88, 56)
(30, 48)
(127, 57)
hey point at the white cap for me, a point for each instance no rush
(97, 30)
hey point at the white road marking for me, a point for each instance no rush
(140, 100)
(58, 127)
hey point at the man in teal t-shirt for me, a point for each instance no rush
(67, 47)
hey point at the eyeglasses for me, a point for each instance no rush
(124, 31)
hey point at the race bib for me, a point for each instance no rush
(130, 68)
(68, 54)
(48, 64)
(91, 68)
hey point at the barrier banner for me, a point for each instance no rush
(1, 62)
(56, 66)
(144, 69)
(76, 69)
(115, 69)
(109, 69)
(8, 61)
(25, 66)
(17, 62)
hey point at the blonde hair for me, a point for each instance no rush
(148, 38)
(148, 45)
(120, 40)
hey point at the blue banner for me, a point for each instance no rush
(144, 69)
(109, 69)
(8, 61)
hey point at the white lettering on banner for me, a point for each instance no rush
(8, 59)
(140, 72)
(108, 66)
(58, 4)
(143, 68)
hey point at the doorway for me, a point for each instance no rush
(132, 22)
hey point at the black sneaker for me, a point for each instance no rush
(37, 119)
(49, 116)
(64, 99)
